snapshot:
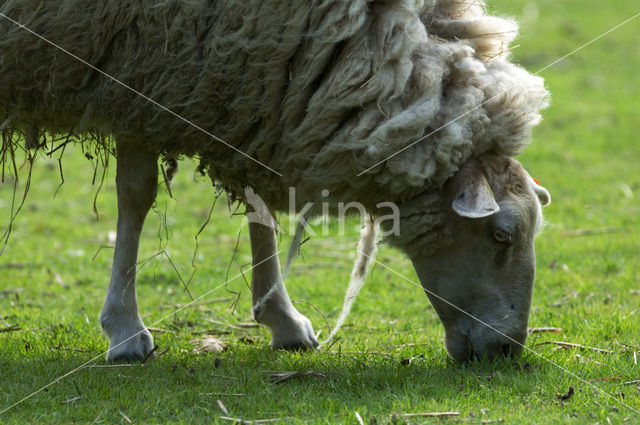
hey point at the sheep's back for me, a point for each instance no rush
(318, 91)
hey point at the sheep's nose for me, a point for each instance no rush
(463, 350)
(497, 349)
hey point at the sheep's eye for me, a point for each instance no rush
(501, 236)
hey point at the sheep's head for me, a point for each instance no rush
(480, 277)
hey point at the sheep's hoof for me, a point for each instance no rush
(135, 347)
(128, 343)
(294, 332)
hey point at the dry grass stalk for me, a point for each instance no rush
(12, 328)
(280, 377)
(360, 353)
(222, 407)
(430, 414)
(632, 347)
(108, 366)
(247, 325)
(149, 354)
(198, 303)
(12, 291)
(225, 394)
(226, 378)
(331, 344)
(55, 276)
(75, 350)
(211, 331)
(161, 331)
(411, 344)
(605, 379)
(589, 232)
(76, 398)
(573, 345)
(238, 326)
(126, 418)
(71, 400)
(545, 329)
(18, 266)
(167, 180)
(583, 359)
(257, 421)
(359, 418)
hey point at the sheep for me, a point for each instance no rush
(413, 102)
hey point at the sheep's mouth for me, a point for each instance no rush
(464, 350)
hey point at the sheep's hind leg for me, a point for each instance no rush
(136, 184)
(271, 304)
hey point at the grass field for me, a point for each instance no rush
(389, 361)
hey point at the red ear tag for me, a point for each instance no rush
(537, 182)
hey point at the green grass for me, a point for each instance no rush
(585, 152)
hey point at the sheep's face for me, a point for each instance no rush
(481, 281)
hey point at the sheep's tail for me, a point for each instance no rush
(366, 253)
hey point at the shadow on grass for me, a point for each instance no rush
(184, 386)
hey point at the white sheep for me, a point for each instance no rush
(406, 101)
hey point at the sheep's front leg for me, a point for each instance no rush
(136, 184)
(271, 304)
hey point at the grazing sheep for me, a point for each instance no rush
(328, 97)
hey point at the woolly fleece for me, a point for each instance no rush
(318, 90)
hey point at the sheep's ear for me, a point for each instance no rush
(474, 197)
(542, 193)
